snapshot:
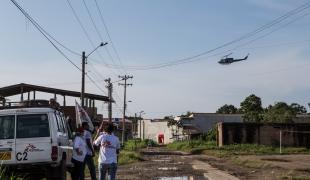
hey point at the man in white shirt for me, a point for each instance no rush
(109, 148)
(90, 151)
(78, 155)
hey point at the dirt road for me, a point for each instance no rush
(159, 163)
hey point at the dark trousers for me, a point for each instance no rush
(77, 172)
(89, 161)
(110, 168)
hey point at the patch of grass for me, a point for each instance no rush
(210, 147)
(133, 145)
(294, 175)
(127, 157)
(4, 175)
(194, 146)
(250, 163)
(130, 152)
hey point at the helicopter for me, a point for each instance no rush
(227, 60)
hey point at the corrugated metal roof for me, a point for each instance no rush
(24, 88)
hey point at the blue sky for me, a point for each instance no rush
(152, 32)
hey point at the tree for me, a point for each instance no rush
(280, 113)
(169, 117)
(252, 109)
(188, 113)
(299, 109)
(227, 109)
(172, 122)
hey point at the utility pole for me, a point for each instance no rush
(110, 89)
(140, 117)
(83, 78)
(124, 78)
(84, 61)
(134, 131)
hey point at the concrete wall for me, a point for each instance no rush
(265, 134)
(150, 129)
(302, 118)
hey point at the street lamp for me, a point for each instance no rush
(100, 45)
(83, 70)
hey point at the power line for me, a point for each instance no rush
(97, 30)
(110, 39)
(80, 23)
(246, 36)
(42, 31)
(92, 20)
(91, 79)
(95, 26)
(85, 32)
(114, 92)
(270, 32)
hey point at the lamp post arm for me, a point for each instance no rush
(102, 44)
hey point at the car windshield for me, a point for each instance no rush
(32, 125)
(7, 124)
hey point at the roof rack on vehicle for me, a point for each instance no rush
(31, 103)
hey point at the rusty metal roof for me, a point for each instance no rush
(25, 88)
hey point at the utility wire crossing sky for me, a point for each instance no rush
(155, 37)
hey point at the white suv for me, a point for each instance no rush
(35, 142)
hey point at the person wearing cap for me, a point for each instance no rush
(78, 156)
(109, 148)
(89, 161)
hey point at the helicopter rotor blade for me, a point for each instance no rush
(227, 55)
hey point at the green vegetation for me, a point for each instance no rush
(227, 109)
(194, 146)
(210, 147)
(258, 164)
(252, 110)
(281, 112)
(130, 152)
(133, 145)
(3, 174)
(295, 175)
(127, 157)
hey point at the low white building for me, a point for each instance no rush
(184, 127)
(155, 129)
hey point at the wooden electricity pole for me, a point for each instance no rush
(83, 79)
(124, 78)
(110, 89)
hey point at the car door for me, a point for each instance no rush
(67, 145)
(7, 139)
(33, 141)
